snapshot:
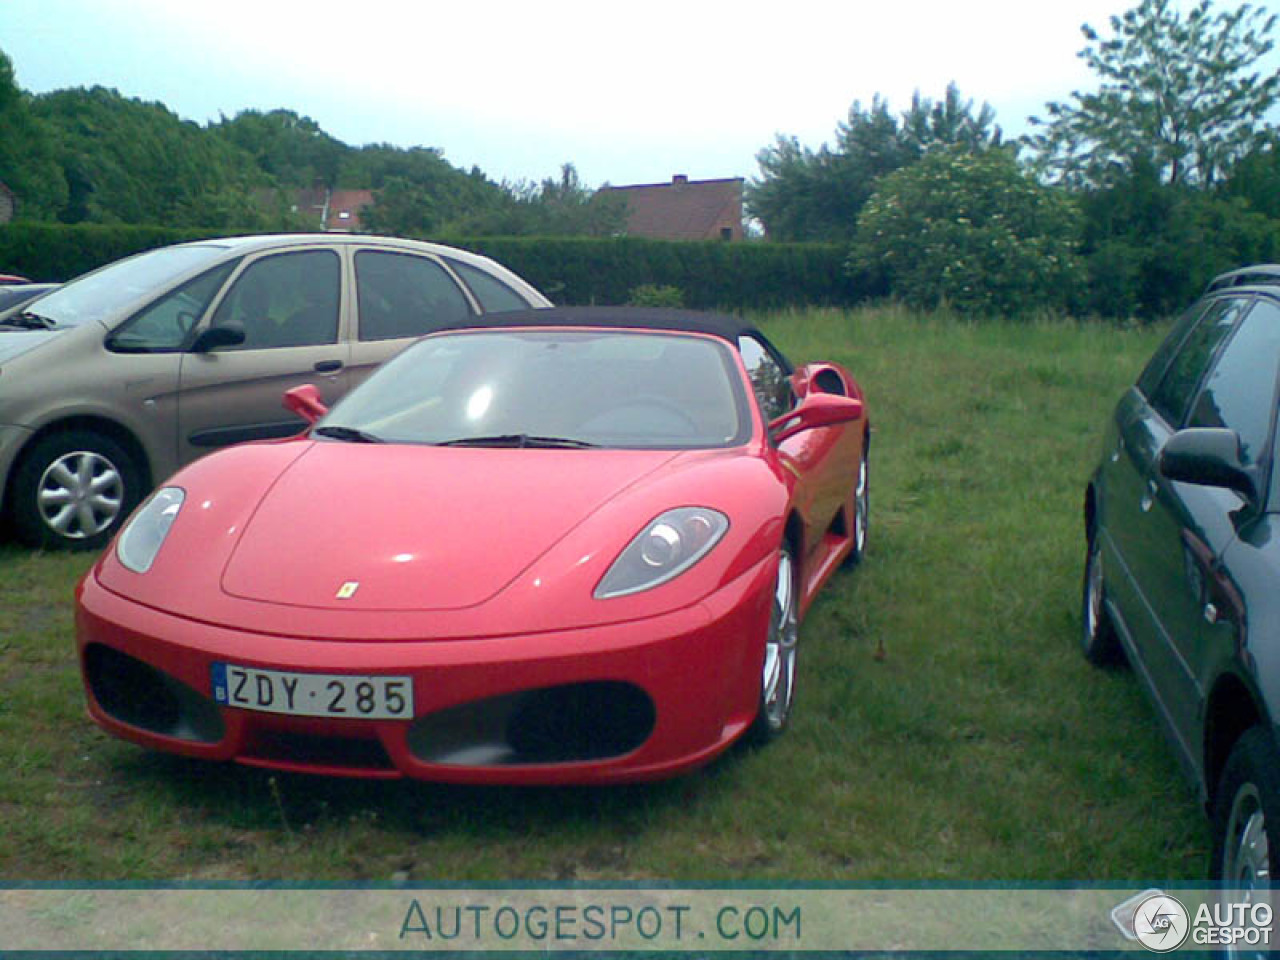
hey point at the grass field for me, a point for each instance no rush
(980, 748)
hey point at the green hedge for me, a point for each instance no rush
(570, 270)
(55, 252)
(582, 270)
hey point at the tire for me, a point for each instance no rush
(860, 511)
(1246, 806)
(1098, 638)
(778, 672)
(72, 490)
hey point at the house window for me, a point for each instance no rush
(344, 215)
(726, 233)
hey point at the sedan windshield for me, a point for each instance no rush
(103, 294)
(551, 389)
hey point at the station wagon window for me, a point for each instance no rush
(1240, 391)
(1180, 380)
(491, 293)
(285, 300)
(769, 381)
(1154, 370)
(165, 325)
(401, 295)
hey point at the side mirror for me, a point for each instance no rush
(816, 410)
(223, 335)
(1207, 457)
(305, 402)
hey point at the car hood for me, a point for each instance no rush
(13, 343)
(370, 527)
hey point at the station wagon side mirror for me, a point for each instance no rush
(305, 402)
(1209, 457)
(223, 335)
(815, 410)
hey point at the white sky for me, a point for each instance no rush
(630, 93)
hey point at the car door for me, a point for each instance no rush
(400, 296)
(819, 459)
(290, 306)
(1238, 394)
(1169, 532)
(143, 360)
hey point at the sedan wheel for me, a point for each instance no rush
(1248, 792)
(778, 678)
(72, 491)
(1098, 637)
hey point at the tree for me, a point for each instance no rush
(28, 163)
(291, 148)
(1180, 94)
(971, 231)
(816, 195)
(556, 206)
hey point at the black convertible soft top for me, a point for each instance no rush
(721, 325)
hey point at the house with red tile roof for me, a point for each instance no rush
(343, 212)
(684, 209)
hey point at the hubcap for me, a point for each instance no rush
(778, 682)
(860, 508)
(1247, 854)
(80, 494)
(1093, 608)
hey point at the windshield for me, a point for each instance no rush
(103, 294)
(551, 388)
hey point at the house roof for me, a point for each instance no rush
(683, 209)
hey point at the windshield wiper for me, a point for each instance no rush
(26, 320)
(520, 440)
(350, 434)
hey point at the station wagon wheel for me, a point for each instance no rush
(1098, 637)
(1245, 802)
(778, 674)
(72, 490)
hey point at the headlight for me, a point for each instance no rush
(143, 537)
(668, 546)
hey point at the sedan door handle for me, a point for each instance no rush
(1149, 496)
(328, 366)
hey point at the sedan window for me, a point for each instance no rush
(286, 300)
(1180, 380)
(492, 294)
(99, 295)
(165, 325)
(405, 296)
(1240, 393)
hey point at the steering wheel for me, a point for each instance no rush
(674, 419)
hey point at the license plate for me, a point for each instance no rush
(313, 694)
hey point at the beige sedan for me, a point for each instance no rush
(110, 383)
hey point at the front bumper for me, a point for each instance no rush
(633, 701)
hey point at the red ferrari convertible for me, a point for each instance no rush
(551, 546)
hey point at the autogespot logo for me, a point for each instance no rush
(1161, 923)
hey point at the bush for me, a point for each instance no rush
(973, 232)
(655, 295)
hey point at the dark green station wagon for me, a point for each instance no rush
(1182, 576)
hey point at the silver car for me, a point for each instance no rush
(111, 382)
